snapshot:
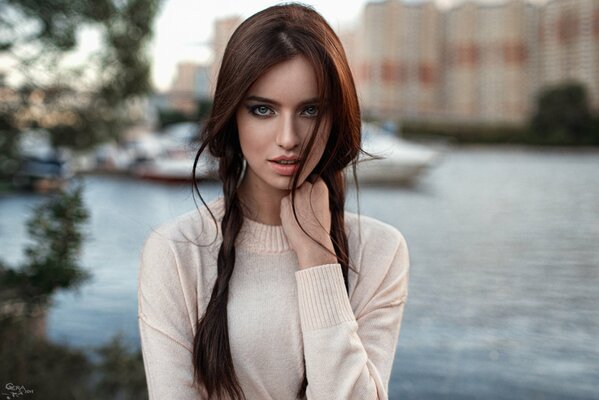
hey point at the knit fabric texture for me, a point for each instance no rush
(281, 319)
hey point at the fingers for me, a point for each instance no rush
(309, 189)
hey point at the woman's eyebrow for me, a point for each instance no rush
(276, 103)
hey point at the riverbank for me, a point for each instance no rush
(484, 133)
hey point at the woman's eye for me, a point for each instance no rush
(261, 111)
(311, 111)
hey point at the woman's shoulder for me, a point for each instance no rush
(371, 239)
(180, 251)
(199, 226)
(370, 228)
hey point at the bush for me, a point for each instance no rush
(52, 259)
(563, 115)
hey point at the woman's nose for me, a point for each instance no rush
(287, 136)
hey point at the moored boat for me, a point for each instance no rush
(397, 161)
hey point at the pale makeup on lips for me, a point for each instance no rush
(285, 165)
(285, 169)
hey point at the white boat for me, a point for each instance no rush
(171, 169)
(42, 167)
(174, 163)
(401, 161)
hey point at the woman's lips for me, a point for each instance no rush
(284, 169)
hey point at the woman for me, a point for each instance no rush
(272, 291)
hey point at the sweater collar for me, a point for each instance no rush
(255, 236)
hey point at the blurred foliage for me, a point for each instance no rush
(9, 162)
(58, 372)
(27, 358)
(51, 261)
(79, 105)
(203, 111)
(171, 116)
(563, 115)
(121, 373)
(51, 371)
(465, 132)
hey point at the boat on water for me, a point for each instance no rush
(42, 168)
(174, 163)
(175, 169)
(395, 160)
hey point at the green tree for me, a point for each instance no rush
(121, 372)
(170, 116)
(52, 371)
(204, 107)
(27, 358)
(80, 105)
(51, 263)
(563, 116)
(52, 259)
(9, 162)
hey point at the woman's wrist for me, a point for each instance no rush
(315, 255)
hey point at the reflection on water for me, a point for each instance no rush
(504, 279)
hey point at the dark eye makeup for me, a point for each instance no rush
(259, 110)
(264, 111)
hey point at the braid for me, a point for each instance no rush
(213, 363)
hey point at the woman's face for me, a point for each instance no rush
(275, 119)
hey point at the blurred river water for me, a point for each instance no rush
(504, 284)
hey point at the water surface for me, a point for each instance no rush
(504, 270)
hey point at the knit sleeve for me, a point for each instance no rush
(164, 324)
(348, 357)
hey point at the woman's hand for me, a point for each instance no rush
(312, 209)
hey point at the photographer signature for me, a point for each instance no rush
(12, 391)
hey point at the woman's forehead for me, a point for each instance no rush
(290, 82)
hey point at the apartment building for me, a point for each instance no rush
(474, 61)
(182, 95)
(397, 59)
(490, 53)
(569, 44)
(223, 29)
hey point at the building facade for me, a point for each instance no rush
(191, 83)
(223, 29)
(569, 44)
(490, 55)
(473, 62)
(397, 59)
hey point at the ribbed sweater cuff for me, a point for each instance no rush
(322, 297)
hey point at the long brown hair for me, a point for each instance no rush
(269, 37)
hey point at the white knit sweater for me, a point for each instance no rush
(277, 313)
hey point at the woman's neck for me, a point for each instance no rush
(261, 205)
